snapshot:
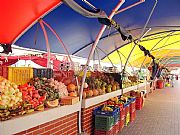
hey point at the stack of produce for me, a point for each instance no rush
(53, 89)
(31, 98)
(100, 85)
(10, 100)
(61, 87)
(72, 90)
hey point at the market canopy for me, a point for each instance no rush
(164, 47)
(78, 32)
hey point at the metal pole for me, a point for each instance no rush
(59, 39)
(154, 47)
(106, 55)
(99, 61)
(47, 44)
(118, 55)
(142, 34)
(135, 4)
(91, 54)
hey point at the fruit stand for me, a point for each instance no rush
(49, 121)
(47, 102)
(37, 104)
(88, 105)
(34, 104)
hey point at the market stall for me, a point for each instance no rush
(58, 99)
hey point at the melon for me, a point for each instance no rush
(73, 94)
(100, 91)
(95, 92)
(71, 87)
(53, 103)
(89, 93)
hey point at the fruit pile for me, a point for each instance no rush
(107, 108)
(10, 100)
(43, 85)
(100, 85)
(61, 87)
(31, 98)
(72, 90)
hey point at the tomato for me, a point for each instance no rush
(31, 102)
(35, 91)
(30, 93)
(29, 88)
(36, 95)
(24, 89)
(24, 93)
(40, 102)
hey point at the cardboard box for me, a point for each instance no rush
(69, 100)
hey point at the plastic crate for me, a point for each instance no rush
(115, 113)
(116, 128)
(61, 75)
(122, 114)
(132, 99)
(20, 75)
(42, 72)
(132, 116)
(139, 101)
(127, 119)
(4, 72)
(104, 123)
(127, 107)
(100, 132)
(121, 125)
(132, 107)
(138, 107)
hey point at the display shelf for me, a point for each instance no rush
(98, 99)
(141, 85)
(25, 122)
(130, 89)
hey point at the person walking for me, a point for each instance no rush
(172, 80)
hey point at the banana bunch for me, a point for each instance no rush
(107, 108)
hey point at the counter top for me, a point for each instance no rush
(25, 122)
(98, 99)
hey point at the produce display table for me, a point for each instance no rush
(60, 120)
(98, 99)
(88, 105)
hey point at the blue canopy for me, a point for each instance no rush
(78, 32)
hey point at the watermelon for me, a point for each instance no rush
(53, 103)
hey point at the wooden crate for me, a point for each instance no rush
(69, 100)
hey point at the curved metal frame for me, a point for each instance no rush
(91, 54)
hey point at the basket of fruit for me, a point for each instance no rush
(106, 110)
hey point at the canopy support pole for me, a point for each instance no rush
(60, 40)
(91, 54)
(118, 55)
(47, 44)
(133, 5)
(143, 34)
(107, 56)
(154, 47)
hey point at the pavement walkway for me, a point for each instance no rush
(159, 116)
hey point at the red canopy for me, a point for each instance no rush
(173, 65)
(42, 61)
(23, 13)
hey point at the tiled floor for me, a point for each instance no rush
(159, 116)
